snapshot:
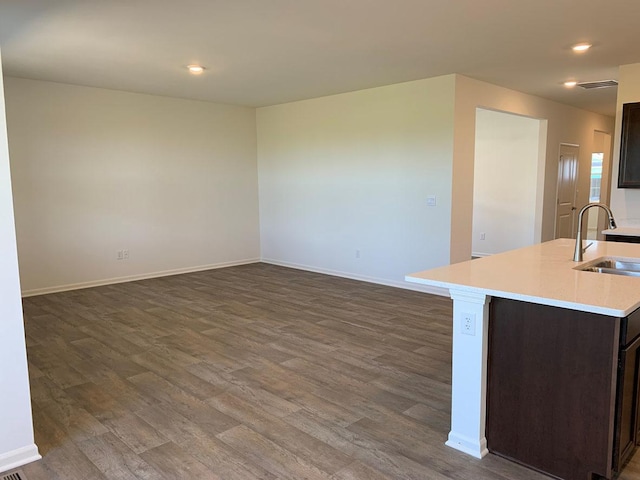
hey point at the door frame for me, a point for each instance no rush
(606, 185)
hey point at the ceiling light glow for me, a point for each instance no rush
(581, 47)
(570, 84)
(195, 69)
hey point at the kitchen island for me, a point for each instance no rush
(623, 234)
(579, 416)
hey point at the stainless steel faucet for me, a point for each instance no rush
(577, 254)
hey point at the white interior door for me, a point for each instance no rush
(566, 198)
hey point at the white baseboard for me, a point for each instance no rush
(480, 254)
(133, 278)
(17, 458)
(443, 292)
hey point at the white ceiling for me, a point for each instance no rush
(265, 52)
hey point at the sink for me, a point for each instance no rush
(629, 267)
(632, 265)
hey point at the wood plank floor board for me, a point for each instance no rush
(48, 434)
(151, 362)
(75, 420)
(279, 432)
(51, 326)
(182, 402)
(419, 388)
(173, 426)
(176, 463)
(101, 353)
(68, 461)
(310, 340)
(98, 401)
(330, 363)
(126, 393)
(116, 460)
(251, 352)
(66, 376)
(57, 353)
(110, 333)
(37, 471)
(218, 363)
(61, 415)
(221, 379)
(270, 456)
(202, 445)
(295, 391)
(417, 447)
(134, 432)
(374, 453)
(246, 373)
(359, 471)
(362, 397)
(324, 375)
(437, 419)
(392, 343)
(272, 404)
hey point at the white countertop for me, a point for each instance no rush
(624, 231)
(545, 274)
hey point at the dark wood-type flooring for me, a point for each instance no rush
(250, 372)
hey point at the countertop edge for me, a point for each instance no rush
(612, 312)
(623, 232)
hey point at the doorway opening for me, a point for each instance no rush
(600, 181)
(508, 181)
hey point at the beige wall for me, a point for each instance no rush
(564, 125)
(625, 202)
(505, 182)
(95, 171)
(343, 183)
(350, 174)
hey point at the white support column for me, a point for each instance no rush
(17, 445)
(469, 379)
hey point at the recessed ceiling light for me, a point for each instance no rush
(581, 47)
(570, 84)
(195, 69)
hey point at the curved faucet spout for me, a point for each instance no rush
(577, 254)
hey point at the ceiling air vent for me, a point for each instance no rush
(17, 475)
(600, 84)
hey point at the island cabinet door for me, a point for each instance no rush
(551, 388)
(638, 398)
(626, 430)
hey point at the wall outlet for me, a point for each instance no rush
(120, 255)
(469, 324)
(125, 254)
(357, 253)
(431, 200)
(483, 236)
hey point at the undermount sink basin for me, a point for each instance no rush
(629, 267)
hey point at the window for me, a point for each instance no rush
(596, 176)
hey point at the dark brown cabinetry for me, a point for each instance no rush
(562, 388)
(621, 238)
(629, 171)
(628, 392)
